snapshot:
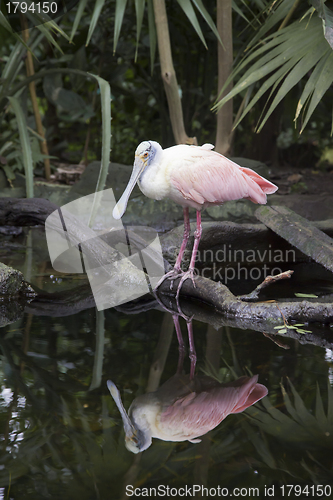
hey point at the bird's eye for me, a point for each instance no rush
(145, 155)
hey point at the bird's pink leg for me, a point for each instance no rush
(190, 272)
(174, 273)
(187, 230)
(181, 345)
(193, 355)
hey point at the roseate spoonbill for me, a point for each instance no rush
(192, 176)
(183, 409)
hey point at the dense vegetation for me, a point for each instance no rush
(109, 41)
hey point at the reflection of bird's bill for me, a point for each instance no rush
(138, 167)
(129, 428)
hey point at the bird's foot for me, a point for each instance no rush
(171, 275)
(188, 275)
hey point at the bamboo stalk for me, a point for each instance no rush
(225, 60)
(169, 75)
(32, 89)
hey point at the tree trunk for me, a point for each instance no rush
(225, 60)
(169, 75)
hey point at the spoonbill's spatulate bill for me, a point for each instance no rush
(194, 177)
(183, 409)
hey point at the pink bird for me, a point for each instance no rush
(194, 177)
(183, 409)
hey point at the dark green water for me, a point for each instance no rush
(62, 435)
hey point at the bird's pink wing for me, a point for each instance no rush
(249, 392)
(198, 413)
(267, 186)
(207, 177)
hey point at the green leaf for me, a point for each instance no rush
(106, 136)
(118, 21)
(289, 407)
(286, 57)
(43, 28)
(191, 15)
(201, 8)
(303, 66)
(286, 44)
(274, 79)
(325, 80)
(320, 412)
(303, 415)
(43, 19)
(326, 15)
(95, 16)
(79, 13)
(239, 11)
(5, 24)
(276, 15)
(25, 143)
(311, 84)
(12, 67)
(9, 172)
(139, 9)
(306, 295)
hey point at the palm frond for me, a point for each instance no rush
(283, 60)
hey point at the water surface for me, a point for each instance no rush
(62, 435)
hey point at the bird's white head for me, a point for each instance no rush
(136, 439)
(145, 155)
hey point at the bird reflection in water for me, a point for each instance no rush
(184, 407)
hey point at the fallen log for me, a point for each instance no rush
(262, 316)
(298, 231)
(25, 211)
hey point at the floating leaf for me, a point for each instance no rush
(306, 295)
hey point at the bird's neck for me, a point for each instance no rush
(153, 182)
(143, 413)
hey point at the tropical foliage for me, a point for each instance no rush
(300, 52)
(116, 41)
